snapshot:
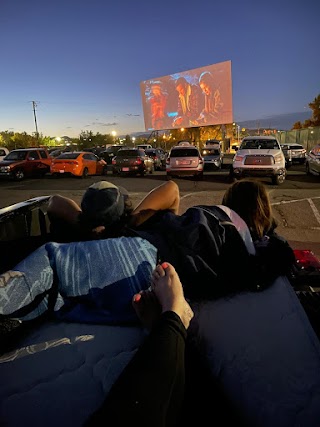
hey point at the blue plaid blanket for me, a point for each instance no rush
(89, 282)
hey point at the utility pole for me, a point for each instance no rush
(34, 104)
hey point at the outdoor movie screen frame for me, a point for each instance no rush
(197, 97)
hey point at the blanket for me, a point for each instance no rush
(89, 282)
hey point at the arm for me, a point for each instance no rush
(164, 197)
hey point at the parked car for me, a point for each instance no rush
(184, 160)
(77, 163)
(24, 162)
(110, 152)
(313, 161)
(144, 146)
(259, 156)
(3, 152)
(287, 155)
(297, 152)
(212, 156)
(159, 157)
(55, 153)
(132, 161)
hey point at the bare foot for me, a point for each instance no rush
(147, 308)
(167, 287)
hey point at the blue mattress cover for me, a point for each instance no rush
(261, 346)
(62, 372)
(265, 353)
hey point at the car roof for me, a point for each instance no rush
(29, 149)
(183, 147)
(259, 137)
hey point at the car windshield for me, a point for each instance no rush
(17, 155)
(113, 149)
(208, 152)
(184, 152)
(262, 144)
(296, 147)
(68, 156)
(151, 152)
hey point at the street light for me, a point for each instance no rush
(134, 141)
(114, 134)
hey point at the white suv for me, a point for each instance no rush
(184, 159)
(259, 156)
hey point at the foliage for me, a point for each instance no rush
(315, 119)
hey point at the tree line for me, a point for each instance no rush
(89, 139)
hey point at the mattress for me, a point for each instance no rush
(61, 372)
(264, 352)
(260, 346)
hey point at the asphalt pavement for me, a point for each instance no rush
(296, 203)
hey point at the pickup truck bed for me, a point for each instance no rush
(261, 347)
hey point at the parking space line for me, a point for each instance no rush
(284, 202)
(314, 210)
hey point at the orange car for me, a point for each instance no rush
(78, 163)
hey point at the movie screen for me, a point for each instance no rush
(198, 97)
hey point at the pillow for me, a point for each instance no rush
(97, 279)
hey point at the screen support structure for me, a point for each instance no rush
(154, 135)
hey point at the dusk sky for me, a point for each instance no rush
(82, 61)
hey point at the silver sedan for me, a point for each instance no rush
(313, 161)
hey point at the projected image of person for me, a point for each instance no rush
(212, 99)
(157, 101)
(189, 103)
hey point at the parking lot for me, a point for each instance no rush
(296, 202)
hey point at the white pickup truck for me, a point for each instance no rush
(259, 156)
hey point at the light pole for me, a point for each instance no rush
(34, 105)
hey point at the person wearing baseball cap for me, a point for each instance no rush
(104, 204)
(106, 210)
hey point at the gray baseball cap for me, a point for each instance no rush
(103, 203)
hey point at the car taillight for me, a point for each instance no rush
(138, 161)
(238, 158)
(307, 260)
(113, 161)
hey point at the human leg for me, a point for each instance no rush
(150, 390)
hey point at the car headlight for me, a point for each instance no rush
(278, 158)
(5, 169)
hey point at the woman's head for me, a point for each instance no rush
(250, 199)
(104, 204)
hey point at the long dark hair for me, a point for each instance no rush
(250, 199)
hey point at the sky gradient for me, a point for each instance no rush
(82, 62)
